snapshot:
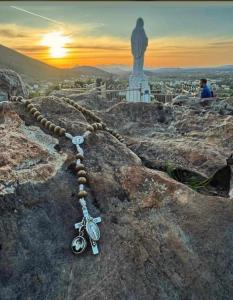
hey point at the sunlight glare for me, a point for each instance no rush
(56, 42)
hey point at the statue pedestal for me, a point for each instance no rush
(139, 89)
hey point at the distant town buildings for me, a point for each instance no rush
(163, 89)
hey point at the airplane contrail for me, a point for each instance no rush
(33, 14)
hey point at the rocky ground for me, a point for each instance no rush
(11, 84)
(167, 218)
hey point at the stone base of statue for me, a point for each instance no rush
(139, 89)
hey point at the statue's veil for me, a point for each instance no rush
(139, 39)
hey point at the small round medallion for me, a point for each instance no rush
(78, 245)
(77, 140)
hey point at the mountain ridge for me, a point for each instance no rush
(35, 69)
(118, 70)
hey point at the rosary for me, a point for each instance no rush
(88, 225)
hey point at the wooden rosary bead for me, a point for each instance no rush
(82, 180)
(95, 126)
(43, 121)
(99, 125)
(80, 108)
(47, 124)
(13, 98)
(97, 119)
(62, 131)
(19, 98)
(104, 125)
(90, 128)
(36, 114)
(84, 111)
(32, 110)
(29, 106)
(39, 118)
(56, 129)
(79, 156)
(77, 106)
(82, 194)
(27, 102)
(82, 173)
(80, 167)
(89, 113)
(52, 126)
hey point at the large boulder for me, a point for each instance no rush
(193, 141)
(223, 106)
(160, 239)
(11, 84)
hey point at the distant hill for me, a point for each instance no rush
(90, 71)
(226, 67)
(25, 65)
(152, 72)
(125, 71)
(115, 69)
(37, 70)
(192, 70)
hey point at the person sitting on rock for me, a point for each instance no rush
(211, 90)
(205, 93)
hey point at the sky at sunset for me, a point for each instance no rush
(65, 34)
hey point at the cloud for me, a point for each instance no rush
(88, 48)
(11, 33)
(31, 48)
(21, 34)
(222, 44)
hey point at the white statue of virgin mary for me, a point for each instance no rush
(139, 43)
(139, 89)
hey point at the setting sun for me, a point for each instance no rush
(56, 42)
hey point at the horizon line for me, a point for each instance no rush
(146, 68)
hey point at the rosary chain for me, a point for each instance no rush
(89, 224)
(99, 125)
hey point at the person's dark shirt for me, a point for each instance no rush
(206, 93)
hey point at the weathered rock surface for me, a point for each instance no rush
(222, 106)
(188, 139)
(160, 238)
(27, 154)
(90, 101)
(11, 84)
